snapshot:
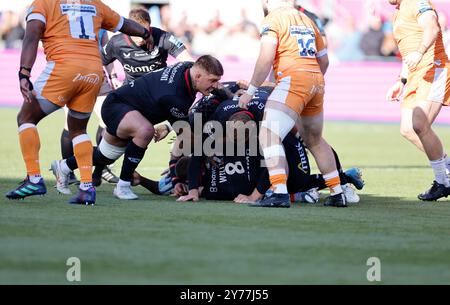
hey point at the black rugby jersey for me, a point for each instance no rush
(137, 61)
(162, 95)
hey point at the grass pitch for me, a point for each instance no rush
(156, 240)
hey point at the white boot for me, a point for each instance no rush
(350, 194)
(62, 179)
(123, 191)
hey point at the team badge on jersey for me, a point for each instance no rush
(265, 28)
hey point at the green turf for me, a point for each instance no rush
(155, 240)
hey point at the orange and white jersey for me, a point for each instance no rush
(72, 27)
(298, 41)
(408, 33)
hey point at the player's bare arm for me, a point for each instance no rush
(33, 34)
(263, 67)
(395, 92)
(429, 22)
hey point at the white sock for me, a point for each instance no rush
(122, 183)
(64, 168)
(85, 186)
(280, 189)
(337, 189)
(439, 168)
(35, 178)
(447, 163)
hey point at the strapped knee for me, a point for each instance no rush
(109, 151)
(278, 122)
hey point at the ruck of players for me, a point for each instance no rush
(247, 141)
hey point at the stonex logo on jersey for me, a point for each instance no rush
(80, 19)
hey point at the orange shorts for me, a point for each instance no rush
(70, 84)
(302, 91)
(428, 84)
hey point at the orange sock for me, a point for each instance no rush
(279, 182)
(333, 182)
(30, 145)
(82, 149)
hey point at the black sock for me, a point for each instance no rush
(98, 160)
(98, 170)
(72, 163)
(133, 155)
(66, 145)
(339, 168)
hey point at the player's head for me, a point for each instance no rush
(240, 120)
(270, 5)
(395, 2)
(141, 16)
(206, 74)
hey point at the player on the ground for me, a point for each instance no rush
(72, 77)
(131, 112)
(425, 73)
(249, 165)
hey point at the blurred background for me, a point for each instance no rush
(363, 54)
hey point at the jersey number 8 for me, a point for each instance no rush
(234, 168)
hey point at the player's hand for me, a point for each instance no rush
(412, 60)
(180, 189)
(192, 196)
(161, 131)
(243, 199)
(26, 88)
(244, 100)
(243, 84)
(395, 92)
(116, 83)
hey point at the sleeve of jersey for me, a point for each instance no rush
(321, 50)
(173, 45)
(37, 11)
(111, 20)
(269, 31)
(421, 6)
(108, 53)
(194, 172)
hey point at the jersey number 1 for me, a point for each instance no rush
(81, 21)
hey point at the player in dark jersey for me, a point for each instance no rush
(135, 57)
(299, 179)
(137, 60)
(131, 112)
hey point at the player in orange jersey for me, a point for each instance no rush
(425, 84)
(73, 77)
(292, 45)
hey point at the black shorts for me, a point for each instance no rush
(113, 111)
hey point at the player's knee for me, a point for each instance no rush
(23, 117)
(106, 153)
(407, 132)
(420, 126)
(145, 133)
